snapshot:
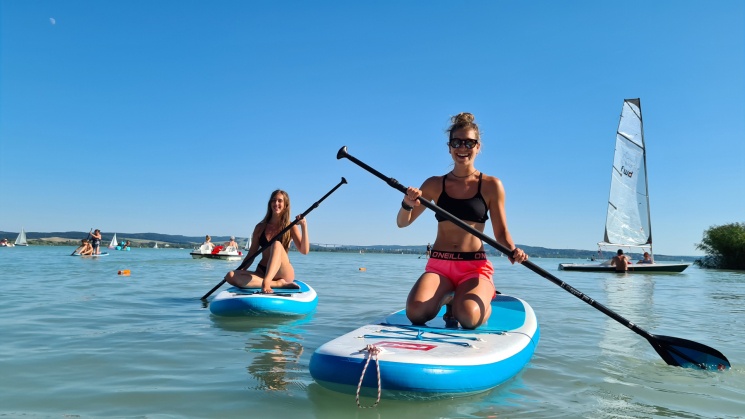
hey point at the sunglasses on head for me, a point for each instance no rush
(457, 142)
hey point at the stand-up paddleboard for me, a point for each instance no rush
(92, 256)
(430, 361)
(252, 302)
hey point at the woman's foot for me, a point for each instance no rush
(450, 321)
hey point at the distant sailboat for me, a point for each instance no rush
(113, 243)
(156, 246)
(248, 244)
(628, 222)
(21, 239)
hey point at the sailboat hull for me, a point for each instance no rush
(634, 268)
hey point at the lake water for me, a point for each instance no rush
(78, 340)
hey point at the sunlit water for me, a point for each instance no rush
(78, 340)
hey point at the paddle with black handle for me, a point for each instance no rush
(76, 249)
(250, 258)
(675, 351)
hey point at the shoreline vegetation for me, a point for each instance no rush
(149, 240)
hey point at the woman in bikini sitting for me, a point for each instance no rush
(274, 269)
(457, 272)
(85, 248)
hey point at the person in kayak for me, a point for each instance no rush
(458, 273)
(274, 270)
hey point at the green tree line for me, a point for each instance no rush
(724, 247)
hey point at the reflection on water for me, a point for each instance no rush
(632, 297)
(274, 346)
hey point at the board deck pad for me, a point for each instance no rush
(431, 360)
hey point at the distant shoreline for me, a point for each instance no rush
(149, 240)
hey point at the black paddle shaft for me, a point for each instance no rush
(250, 258)
(661, 344)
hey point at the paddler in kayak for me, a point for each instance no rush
(458, 266)
(274, 269)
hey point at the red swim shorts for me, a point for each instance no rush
(460, 266)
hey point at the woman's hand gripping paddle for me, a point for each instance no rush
(675, 351)
(250, 258)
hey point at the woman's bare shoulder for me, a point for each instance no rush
(491, 184)
(432, 186)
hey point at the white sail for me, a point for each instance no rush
(156, 246)
(21, 239)
(248, 244)
(627, 222)
(113, 243)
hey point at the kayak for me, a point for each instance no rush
(430, 361)
(252, 302)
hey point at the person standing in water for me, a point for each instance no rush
(620, 261)
(458, 265)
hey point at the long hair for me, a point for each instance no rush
(284, 217)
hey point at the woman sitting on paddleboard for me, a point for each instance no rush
(84, 249)
(274, 269)
(458, 263)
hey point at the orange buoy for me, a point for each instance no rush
(124, 272)
(363, 269)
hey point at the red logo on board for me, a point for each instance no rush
(405, 345)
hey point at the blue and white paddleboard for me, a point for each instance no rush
(252, 302)
(430, 361)
(92, 256)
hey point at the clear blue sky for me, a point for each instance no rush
(181, 117)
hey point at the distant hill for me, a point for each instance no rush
(66, 238)
(167, 240)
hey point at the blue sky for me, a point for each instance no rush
(181, 117)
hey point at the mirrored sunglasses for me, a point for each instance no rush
(457, 142)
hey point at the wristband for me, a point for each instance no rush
(406, 206)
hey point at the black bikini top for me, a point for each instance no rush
(470, 209)
(263, 241)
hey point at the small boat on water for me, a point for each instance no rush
(236, 302)
(218, 252)
(628, 220)
(113, 244)
(21, 239)
(430, 361)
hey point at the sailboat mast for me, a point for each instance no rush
(638, 104)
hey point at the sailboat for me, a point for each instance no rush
(628, 222)
(113, 243)
(156, 245)
(248, 244)
(21, 239)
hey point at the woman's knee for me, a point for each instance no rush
(419, 312)
(471, 312)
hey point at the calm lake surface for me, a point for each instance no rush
(78, 340)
